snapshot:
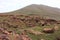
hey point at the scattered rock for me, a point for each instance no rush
(56, 27)
(42, 39)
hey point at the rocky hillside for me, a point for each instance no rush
(28, 27)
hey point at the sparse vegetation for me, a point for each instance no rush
(39, 23)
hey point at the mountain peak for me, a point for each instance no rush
(36, 5)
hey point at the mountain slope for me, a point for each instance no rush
(41, 10)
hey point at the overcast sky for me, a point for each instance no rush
(10, 5)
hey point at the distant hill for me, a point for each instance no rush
(41, 10)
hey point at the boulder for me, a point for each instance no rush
(48, 30)
(4, 37)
